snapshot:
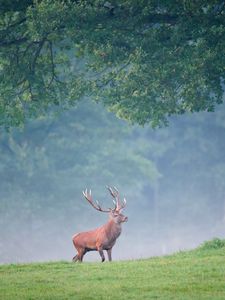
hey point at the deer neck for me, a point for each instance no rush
(113, 229)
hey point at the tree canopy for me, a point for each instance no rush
(144, 60)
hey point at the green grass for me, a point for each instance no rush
(197, 274)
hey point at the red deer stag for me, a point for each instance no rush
(104, 237)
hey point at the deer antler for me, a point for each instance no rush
(115, 194)
(95, 205)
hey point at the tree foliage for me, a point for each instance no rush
(145, 60)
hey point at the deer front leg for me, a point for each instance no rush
(100, 250)
(109, 252)
(102, 255)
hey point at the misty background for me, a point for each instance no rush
(172, 178)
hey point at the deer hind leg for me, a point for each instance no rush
(75, 258)
(80, 255)
(80, 250)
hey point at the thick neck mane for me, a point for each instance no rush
(112, 229)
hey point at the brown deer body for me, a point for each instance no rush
(104, 237)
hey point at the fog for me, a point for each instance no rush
(172, 178)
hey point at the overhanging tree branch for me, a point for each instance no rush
(13, 42)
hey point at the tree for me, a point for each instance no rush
(145, 60)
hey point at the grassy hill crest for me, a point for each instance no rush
(196, 274)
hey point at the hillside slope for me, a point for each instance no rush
(197, 274)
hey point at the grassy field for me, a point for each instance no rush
(197, 274)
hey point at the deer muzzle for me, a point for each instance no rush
(125, 219)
